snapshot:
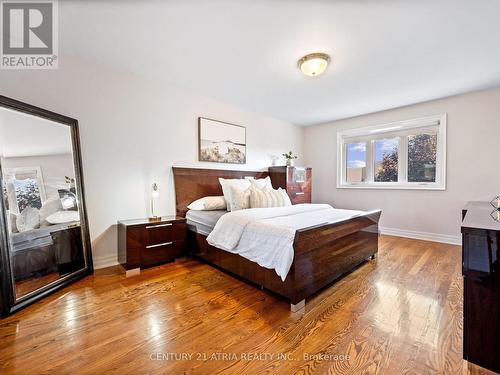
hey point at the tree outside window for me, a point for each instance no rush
(422, 150)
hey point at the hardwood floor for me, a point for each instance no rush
(399, 314)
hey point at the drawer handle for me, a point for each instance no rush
(299, 193)
(158, 245)
(159, 226)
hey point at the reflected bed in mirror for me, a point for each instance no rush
(46, 238)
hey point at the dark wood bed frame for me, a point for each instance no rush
(323, 253)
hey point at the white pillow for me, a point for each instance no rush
(28, 219)
(50, 207)
(208, 204)
(269, 198)
(239, 199)
(238, 183)
(61, 217)
(261, 183)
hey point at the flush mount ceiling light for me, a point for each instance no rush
(313, 64)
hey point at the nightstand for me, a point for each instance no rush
(144, 243)
(295, 180)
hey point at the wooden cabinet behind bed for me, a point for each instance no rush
(295, 180)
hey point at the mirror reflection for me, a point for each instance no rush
(40, 200)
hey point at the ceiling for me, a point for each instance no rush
(24, 135)
(386, 53)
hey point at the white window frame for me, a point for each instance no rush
(398, 129)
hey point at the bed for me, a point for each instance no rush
(322, 253)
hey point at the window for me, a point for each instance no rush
(386, 160)
(356, 162)
(422, 157)
(401, 155)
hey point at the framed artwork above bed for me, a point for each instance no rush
(221, 142)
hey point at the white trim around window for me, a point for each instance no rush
(398, 132)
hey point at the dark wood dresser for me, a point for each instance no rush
(145, 243)
(295, 180)
(480, 243)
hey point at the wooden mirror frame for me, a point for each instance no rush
(8, 301)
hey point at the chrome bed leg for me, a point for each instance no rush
(298, 306)
(132, 272)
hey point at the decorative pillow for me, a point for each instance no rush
(239, 199)
(50, 207)
(238, 183)
(62, 217)
(208, 204)
(28, 219)
(261, 183)
(269, 198)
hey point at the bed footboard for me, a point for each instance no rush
(325, 253)
(322, 254)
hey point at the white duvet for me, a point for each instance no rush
(266, 235)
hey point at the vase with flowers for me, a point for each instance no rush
(290, 158)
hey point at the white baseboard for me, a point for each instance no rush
(426, 236)
(105, 261)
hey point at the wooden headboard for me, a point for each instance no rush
(195, 183)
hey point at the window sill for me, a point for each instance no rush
(392, 187)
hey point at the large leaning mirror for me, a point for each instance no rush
(45, 241)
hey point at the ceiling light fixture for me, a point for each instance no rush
(313, 64)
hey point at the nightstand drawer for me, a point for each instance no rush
(164, 232)
(160, 253)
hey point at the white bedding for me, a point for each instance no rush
(266, 235)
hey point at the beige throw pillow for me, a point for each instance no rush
(239, 199)
(269, 198)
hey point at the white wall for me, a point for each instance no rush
(473, 166)
(132, 132)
